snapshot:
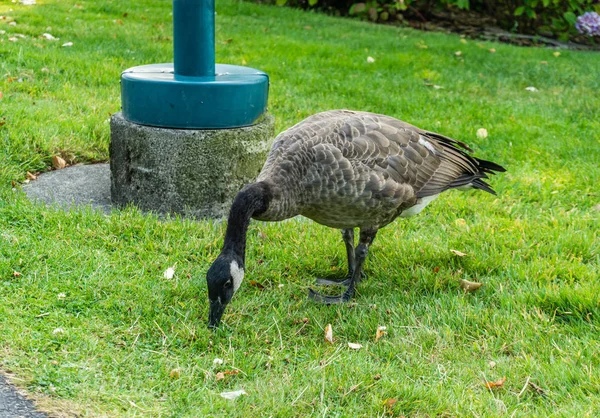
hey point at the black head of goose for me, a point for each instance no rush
(346, 170)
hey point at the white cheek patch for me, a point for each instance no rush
(237, 274)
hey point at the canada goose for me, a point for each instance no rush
(346, 170)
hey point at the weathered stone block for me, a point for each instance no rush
(185, 171)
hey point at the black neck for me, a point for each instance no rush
(253, 198)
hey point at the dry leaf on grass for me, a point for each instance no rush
(233, 395)
(31, 176)
(496, 384)
(380, 332)
(16, 274)
(458, 253)
(58, 163)
(389, 403)
(329, 334)
(468, 286)
(219, 376)
(482, 133)
(355, 346)
(256, 284)
(175, 373)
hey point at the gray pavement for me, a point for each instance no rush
(73, 186)
(15, 405)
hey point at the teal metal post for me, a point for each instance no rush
(194, 37)
(194, 92)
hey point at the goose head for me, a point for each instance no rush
(224, 278)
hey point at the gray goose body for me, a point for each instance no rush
(343, 169)
(347, 169)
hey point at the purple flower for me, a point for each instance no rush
(588, 24)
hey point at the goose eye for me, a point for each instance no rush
(227, 284)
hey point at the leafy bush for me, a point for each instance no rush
(553, 18)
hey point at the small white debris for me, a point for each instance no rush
(370, 60)
(233, 395)
(355, 346)
(435, 86)
(280, 285)
(58, 331)
(2, 32)
(49, 37)
(68, 44)
(482, 133)
(13, 39)
(217, 361)
(531, 88)
(61, 296)
(27, 2)
(169, 273)
(13, 23)
(45, 70)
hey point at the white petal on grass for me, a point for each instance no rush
(58, 331)
(27, 2)
(370, 60)
(233, 395)
(49, 37)
(68, 44)
(531, 88)
(217, 361)
(482, 133)
(169, 273)
(355, 346)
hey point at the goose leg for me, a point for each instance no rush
(348, 236)
(360, 254)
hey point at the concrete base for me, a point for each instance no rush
(189, 172)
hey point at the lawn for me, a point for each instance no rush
(90, 325)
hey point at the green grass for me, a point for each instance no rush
(535, 245)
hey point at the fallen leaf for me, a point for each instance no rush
(380, 332)
(355, 346)
(458, 253)
(377, 377)
(49, 37)
(58, 331)
(458, 53)
(58, 163)
(436, 87)
(27, 2)
(329, 334)
(1, 95)
(256, 284)
(482, 133)
(233, 395)
(496, 384)
(16, 274)
(370, 60)
(597, 207)
(492, 50)
(537, 389)
(219, 376)
(463, 41)
(544, 62)
(460, 222)
(227, 41)
(308, 27)
(68, 44)
(175, 373)
(389, 403)
(468, 286)
(492, 364)
(244, 62)
(531, 88)
(169, 273)
(13, 39)
(31, 176)
(231, 372)
(556, 54)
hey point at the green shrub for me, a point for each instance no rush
(553, 18)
